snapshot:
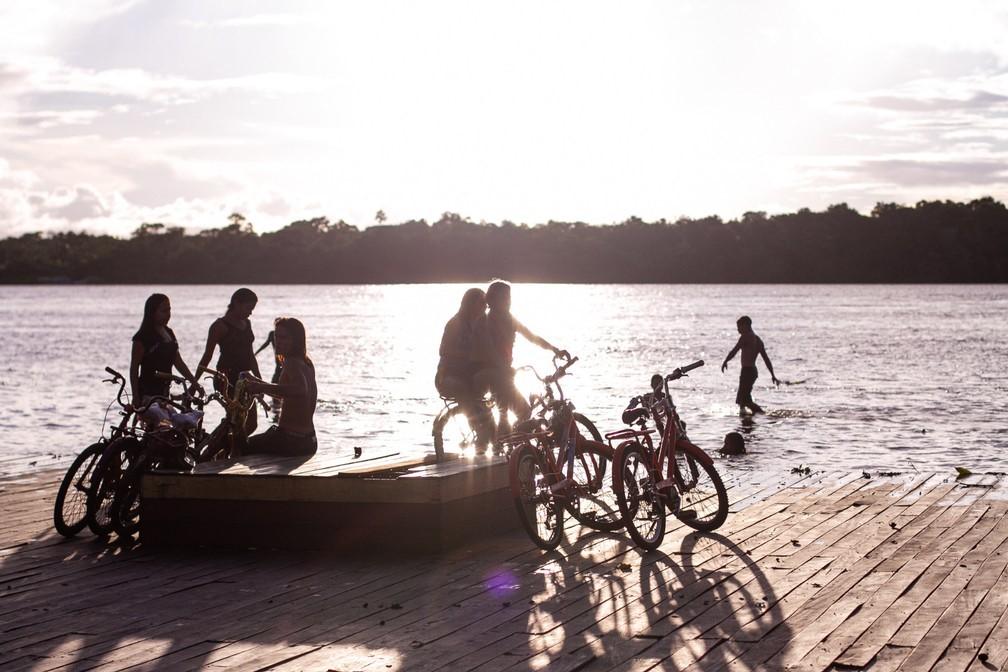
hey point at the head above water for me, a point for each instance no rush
(243, 301)
(290, 338)
(744, 323)
(473, 303)
(498, 295)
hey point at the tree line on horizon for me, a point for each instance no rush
(933, 241)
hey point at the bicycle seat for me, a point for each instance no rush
(632, 415)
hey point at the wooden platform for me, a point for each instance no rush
(811, 572)
(382, 503)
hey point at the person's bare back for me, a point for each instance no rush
(298, 410)
(750, 346)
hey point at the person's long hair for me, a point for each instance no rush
(147, 325)
(295, 328)
(472, 297)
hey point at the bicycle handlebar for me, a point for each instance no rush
(683, 370)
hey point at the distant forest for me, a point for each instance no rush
(933, 241)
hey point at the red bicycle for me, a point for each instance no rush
(559, 463)
(678, 476)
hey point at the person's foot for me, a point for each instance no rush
(758, 410)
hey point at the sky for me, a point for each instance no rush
(118, 112)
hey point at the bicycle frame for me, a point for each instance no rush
(673, 440)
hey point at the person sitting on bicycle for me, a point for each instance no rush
(501, 328)
(463, 354)
(294, 433)
(233, 333)
(155, 350)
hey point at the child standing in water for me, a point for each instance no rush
(751, 345)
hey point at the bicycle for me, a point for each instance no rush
(171, 445)
(678, 476)
(228, 438)
(70, 512)
(554, 467)
(449, 415)
(115, 460)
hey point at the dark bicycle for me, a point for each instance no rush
(558, 463)
(171, 444)
(71, 513)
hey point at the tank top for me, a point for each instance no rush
(159, 356)
(236, 352)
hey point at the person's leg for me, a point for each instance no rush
(262, 443)
(469, 397)
(747, 378)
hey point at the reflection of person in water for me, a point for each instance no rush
(462, 353)
(294, 433)
(751, 345)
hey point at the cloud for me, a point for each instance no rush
(82, 203)
(257, 20)
(934, 172)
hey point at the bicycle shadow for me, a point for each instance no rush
(720, 603)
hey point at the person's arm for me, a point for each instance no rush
(536, 339)
(187, 374)
(266, 344)
(134, 373)
(292, 383)
(769, 366)
(212, 339)
(730, 355)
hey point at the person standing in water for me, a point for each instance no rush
(294, 433)
(233, 333)
(271, 340)
(751, 345)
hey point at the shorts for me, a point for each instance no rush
(279, 441)
(747, 378)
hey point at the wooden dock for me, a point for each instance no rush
(378, 504)
(811, 572)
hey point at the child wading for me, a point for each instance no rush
(751, 345)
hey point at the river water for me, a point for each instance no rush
(889, 377)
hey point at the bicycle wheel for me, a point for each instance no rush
(595, 506)
(703, 500)
(449, 417)
(70, 511)
(125, 509)
(114, 461)
(538, 510)
(640, 504)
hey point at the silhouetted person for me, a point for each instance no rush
(276, 358)
(155, 350)
(751, 345)
(463, 352)
(294, 433)
(501, 328)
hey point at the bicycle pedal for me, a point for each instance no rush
(667, 483)
(688, 514)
